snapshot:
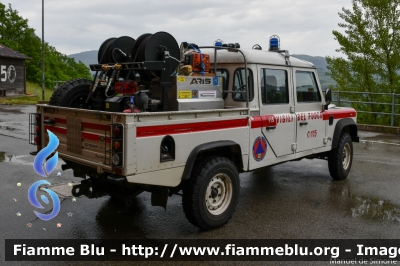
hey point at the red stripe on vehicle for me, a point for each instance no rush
(94, 137)
(84, 124)
(85, 135)
(339, 113)
(60, 130)
(151, 131)
(96, 126)
(263, 121)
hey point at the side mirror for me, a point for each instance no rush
(328, 98)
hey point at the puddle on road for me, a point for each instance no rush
(385, 138)
(17, 159)
(382, 139)
(374, 209)
(13, 111)
(9, 128)
(371, 144)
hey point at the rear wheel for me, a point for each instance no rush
(211, 194)
(73, 94)
(341, 158)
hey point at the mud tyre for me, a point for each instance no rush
(72, 94)
(341, 158)
(211, 194)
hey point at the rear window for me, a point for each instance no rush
(222, 72)
(240, 83)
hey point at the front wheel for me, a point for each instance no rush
(341, 158)
(211, 194)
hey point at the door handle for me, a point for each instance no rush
(303, 123)
(270, 128)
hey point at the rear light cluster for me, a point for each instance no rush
(117, 131)
(35, 129)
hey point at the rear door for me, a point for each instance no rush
(275, 102)
(308, 105)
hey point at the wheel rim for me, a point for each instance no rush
(218, 194)
(79, 101)
(346, 156)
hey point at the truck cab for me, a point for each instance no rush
(286, 103)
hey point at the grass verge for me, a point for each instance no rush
(33, 95)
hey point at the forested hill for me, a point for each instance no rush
(321, 64)
(318, 61)
(16, 34)
(89, 57)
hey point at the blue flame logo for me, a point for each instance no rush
(44, 168)
(40, 165)
(33, 200)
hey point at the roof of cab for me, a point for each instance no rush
(254, 56)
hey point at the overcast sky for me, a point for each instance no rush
(73, 26)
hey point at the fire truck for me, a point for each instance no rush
(168, 119)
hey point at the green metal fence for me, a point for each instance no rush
(388, 103)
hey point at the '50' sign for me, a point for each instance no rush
(8, 73)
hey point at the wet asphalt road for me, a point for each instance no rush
(287, 201)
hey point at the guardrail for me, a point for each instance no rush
(387, 99)
(58, 83)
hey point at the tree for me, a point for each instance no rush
(16, 34)
(371, 45)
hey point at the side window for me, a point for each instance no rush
(222, 72)
(274, 86)
(239, 84)
(306, 87)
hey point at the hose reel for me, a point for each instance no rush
(155, 57)
(116, 50)
(148, 47)
(151, 47)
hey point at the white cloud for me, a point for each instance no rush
(305, 27)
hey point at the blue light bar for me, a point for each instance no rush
(218, 43)
(274, 43)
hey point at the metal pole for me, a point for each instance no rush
(338, 98)
(43, 50)
(392, 120)
(215, 61)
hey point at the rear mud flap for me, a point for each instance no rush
(159, 197)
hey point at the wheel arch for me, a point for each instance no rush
(225, 148)
(347, 125)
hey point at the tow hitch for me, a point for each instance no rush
(84, 188)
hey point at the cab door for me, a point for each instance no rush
(275, 101)
(308, 105)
